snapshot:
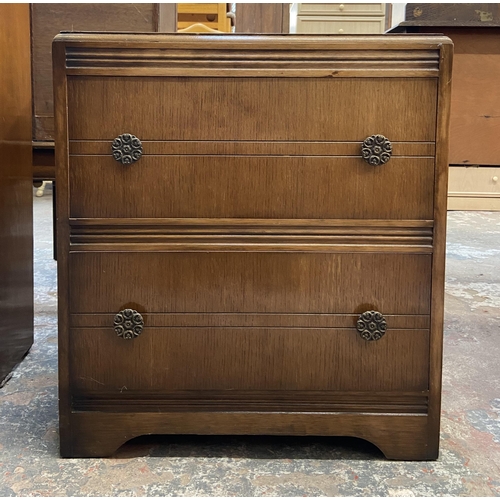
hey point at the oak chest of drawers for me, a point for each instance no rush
(252, 236)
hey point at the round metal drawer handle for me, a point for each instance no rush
(376, 150)
(128, 324)
(126, 149)
(371, 325)
(494, 178)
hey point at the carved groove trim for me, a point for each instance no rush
(253, 148)
(315, 401)
(405, 324)
(310, 235)
(278, 226)
(307, 58)
(371, 325)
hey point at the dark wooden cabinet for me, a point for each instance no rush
(251, 237)
(262, 18)
(474, 154)
(16, 193)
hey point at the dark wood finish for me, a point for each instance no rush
(262, 18)
(250, 240)
(475, 101)
(97, 433)
(44, 165)
(246, 359)
(453, 14)
(16, 194)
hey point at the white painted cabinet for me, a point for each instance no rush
(338, 18)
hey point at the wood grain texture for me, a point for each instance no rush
(47, 20)
(281, 187)
(98, 434)
(253, 148)
(62, 229)
(219, 234)
(250, 236)
(262, 18)
(245, 107)
(16, 194)
(254, 401)
(439, 257)
(250, 282)
(475, 103)
(295, 320)
(242, 359)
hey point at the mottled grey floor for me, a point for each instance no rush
(469, 464)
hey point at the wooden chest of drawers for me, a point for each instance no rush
(252, 234)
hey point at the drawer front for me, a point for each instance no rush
(335, 9)
(340, 25)
(251, 187)
(262, 109)
(474, 181)
(165, 360)
(249, 282)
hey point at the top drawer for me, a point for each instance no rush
(258, 109)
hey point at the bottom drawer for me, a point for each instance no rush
(474, 188)
(340, 25)
(162, 360)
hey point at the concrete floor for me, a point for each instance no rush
(469, 464)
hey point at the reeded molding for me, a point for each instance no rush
(284, 56)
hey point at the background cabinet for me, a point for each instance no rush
(338, 18)
(218, 16)
(475, 101)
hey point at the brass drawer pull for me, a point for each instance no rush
(126, 149)
(376, 150)
(128, 324)
(371, 325)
